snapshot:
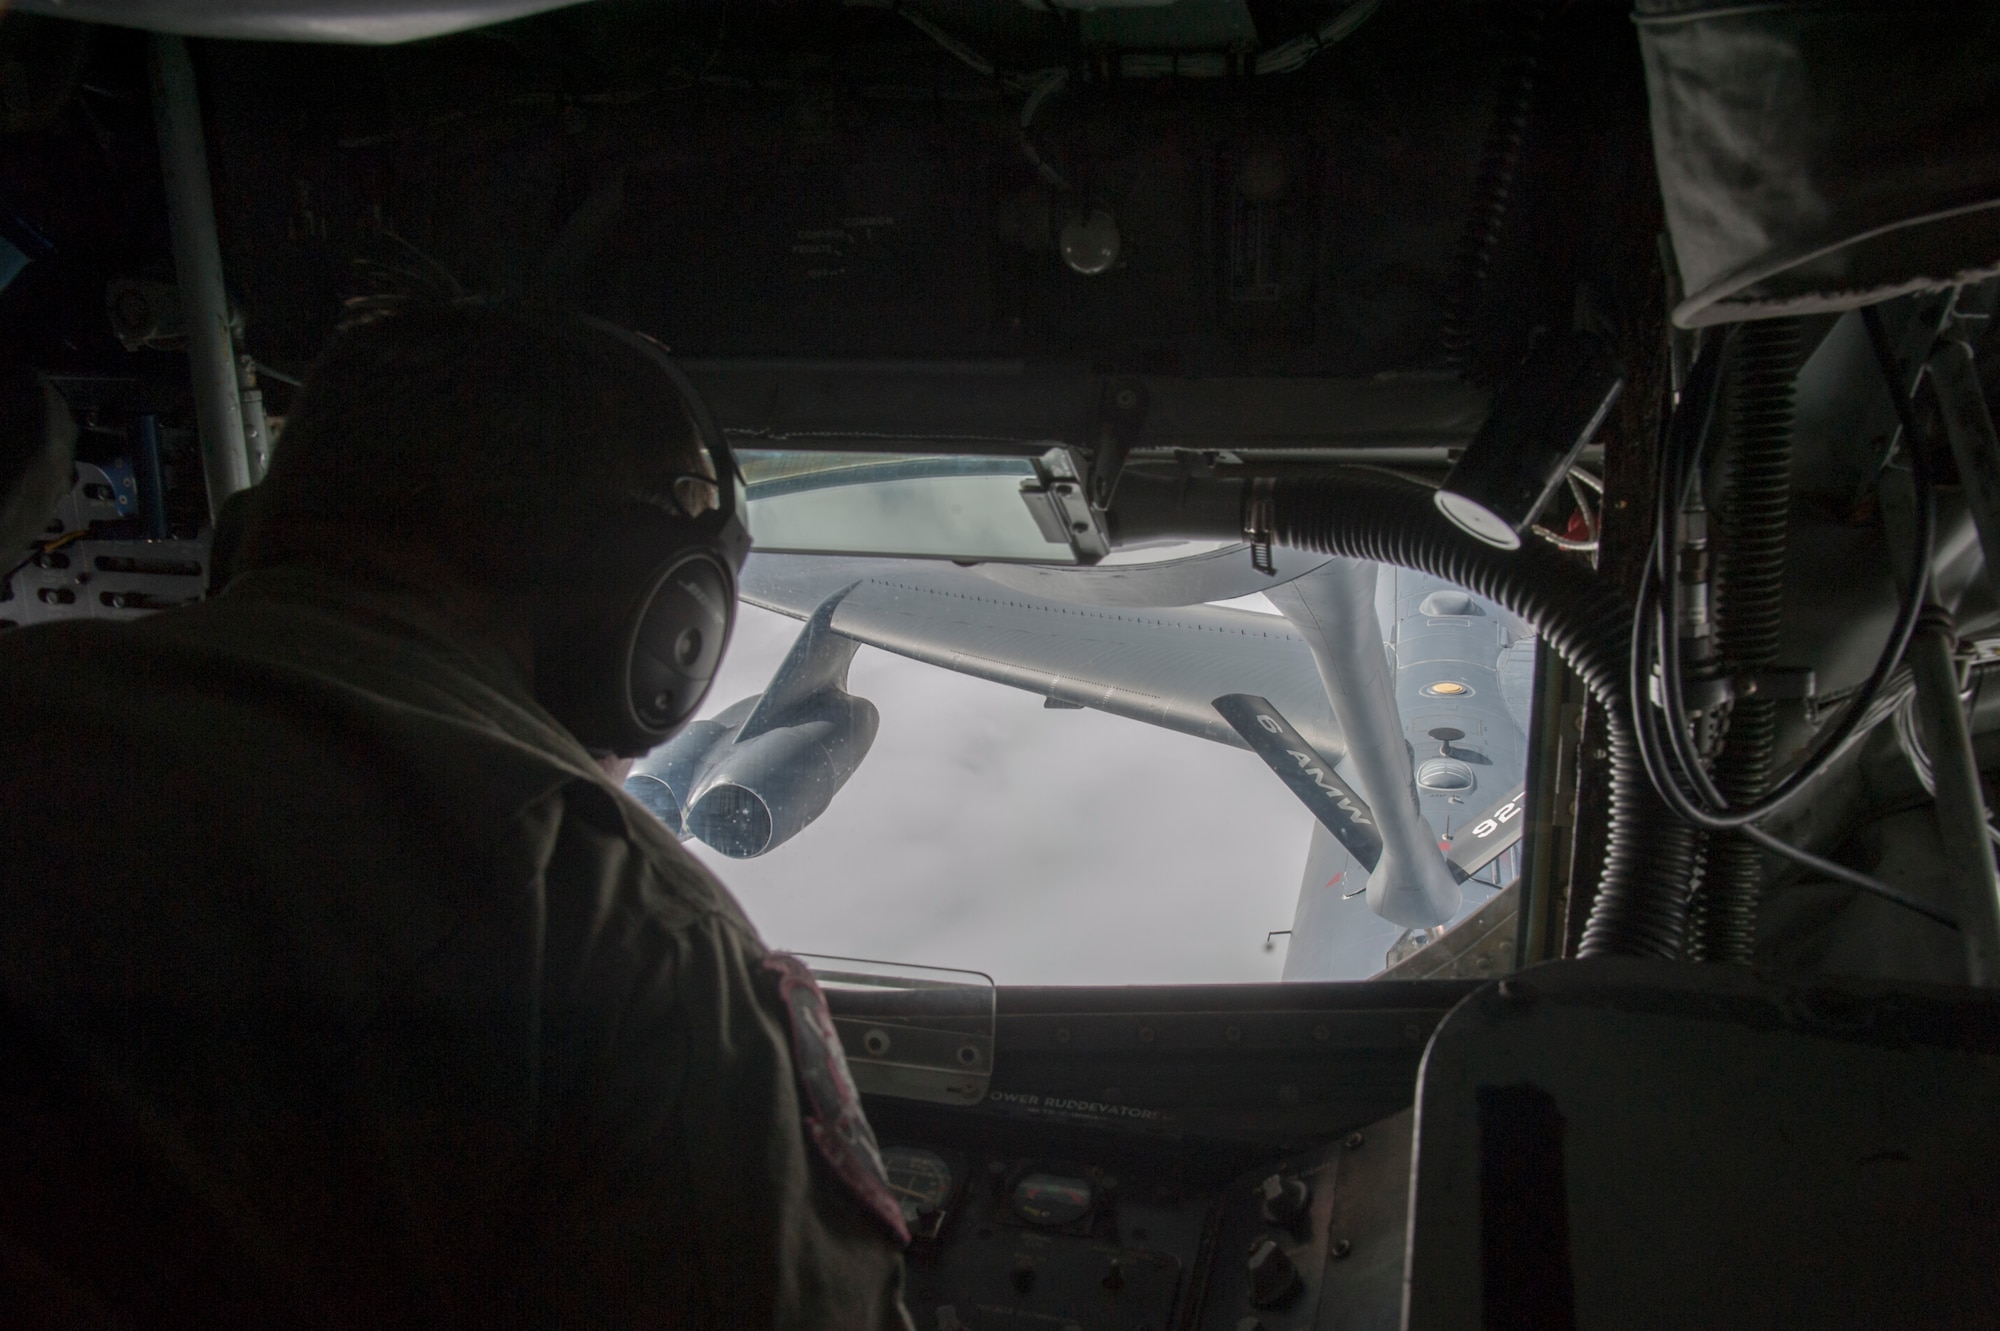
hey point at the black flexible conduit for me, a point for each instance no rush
(1641, 903)
(1493, 190)
(1758, 411)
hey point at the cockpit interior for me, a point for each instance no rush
(1370, 665)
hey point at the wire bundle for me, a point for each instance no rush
(1758, 396)
(1665, 733)
(1493, 192)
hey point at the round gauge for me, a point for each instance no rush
(1051, 1199)
(920, 1179)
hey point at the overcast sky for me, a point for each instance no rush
(1041, 847)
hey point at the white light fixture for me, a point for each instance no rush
(1540, 421)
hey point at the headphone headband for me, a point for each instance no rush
(725, 526)
(630, 635)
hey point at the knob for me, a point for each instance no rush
(1285, 1200)
(1273, 1278)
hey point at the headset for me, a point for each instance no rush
(631, 626)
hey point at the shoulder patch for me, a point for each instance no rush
(834, 1121)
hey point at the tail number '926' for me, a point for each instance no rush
(1506, 813)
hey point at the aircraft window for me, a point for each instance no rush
(1005, 769)
(914, 504)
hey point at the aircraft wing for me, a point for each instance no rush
(1161, 666)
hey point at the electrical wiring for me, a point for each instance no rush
(47, 547)
(1718, 814)
(1584, 506)
(1649, 743)
(1910, 738)
(1174, 64)
(1561, 542)
(1588, 545)
(1046, 85)
(1579, 481)
(1292, 56)
(1664, 733)
(1285, 58)
(958, 50)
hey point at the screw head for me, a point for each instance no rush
(1354, 1140)
(1341, 1247)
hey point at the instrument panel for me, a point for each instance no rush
(1211, 1158)
(1005, 1242)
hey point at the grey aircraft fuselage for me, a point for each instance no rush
(1458, 664)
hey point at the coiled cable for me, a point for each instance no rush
(1909, 735)
(1758, 407)
(1666, 746)
(1493, 190)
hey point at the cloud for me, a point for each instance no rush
(1041, 847)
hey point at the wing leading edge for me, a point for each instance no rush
(1161, 666)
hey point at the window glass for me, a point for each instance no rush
(1045, 790)
(926, 505)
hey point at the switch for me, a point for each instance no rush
(1286, 1200)
(1273, 1278)
(1114, 1278)
(1022, 1275)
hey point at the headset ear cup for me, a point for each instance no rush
(678, 641)
(629, 639)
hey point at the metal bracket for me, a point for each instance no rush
(1061, 509)
(1121, 414)
(1779, 683)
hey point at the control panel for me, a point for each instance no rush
(1011, 1242)
(1207, 1158)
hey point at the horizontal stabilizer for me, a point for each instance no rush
(1309, 776)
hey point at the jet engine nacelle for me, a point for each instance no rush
(758, 793)
(665, 779)
(754, 776)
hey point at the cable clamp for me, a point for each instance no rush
(1259, 517)
(1778, 683)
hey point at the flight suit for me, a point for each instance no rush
(364, 961)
